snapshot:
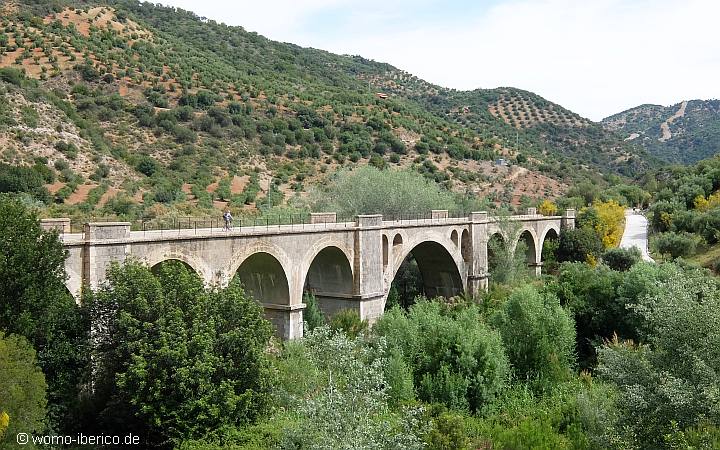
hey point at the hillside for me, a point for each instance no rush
(683, 133)
(127, 106)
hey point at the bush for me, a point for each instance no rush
(675, 244)
(455, 359)
(22, 390)
(348, 321)
(539, 335)
(202, 367)
(579, 244)
(621, 259)
(672, 379)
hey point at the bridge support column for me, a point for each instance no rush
(104, 243)
(287, 319)
(478, 275)
(568, 219)
(536, 268)
(368, 267)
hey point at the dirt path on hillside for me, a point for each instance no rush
(665, 126)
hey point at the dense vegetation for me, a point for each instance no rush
(596, 355)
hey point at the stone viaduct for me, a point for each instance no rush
(346, 264)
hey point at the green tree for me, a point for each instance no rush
(673, 377)
(455, 358)
(621, 259)
(368, 190)
(34, 303)
(22, 391)
(539, 335)
(580, 244)
(174, 359)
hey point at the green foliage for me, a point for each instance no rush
(22, 390)
(348, 321)
(621, 259)
(19, 179)
(675, 245)
(35, 304)
(312, 315)
(368, 190)
(174, 359)
(579, 244)
(344, 403)
(465, 378)
(672, 379)
(539, 335)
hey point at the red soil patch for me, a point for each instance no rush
(238, 184)
(56, 186)
(212, 187)
(80, 194)
(110, 193)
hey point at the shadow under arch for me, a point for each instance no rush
(528, 246)
(549, 245)
(157, 267)
(264, 278)
(428, 269)
(330, 279)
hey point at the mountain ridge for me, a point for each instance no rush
(161, 107)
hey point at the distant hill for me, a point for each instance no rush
(683, 133)
(123, 105)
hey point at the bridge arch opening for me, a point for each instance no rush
(263, 277)
(454, 237)
(159, 266)
(550, 243)
(526, 245)
(386, 251)
(497, 253)
(330, 280)
(428, 270)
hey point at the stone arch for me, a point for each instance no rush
(439, 265)
(552, 232)
(495, 238)
(197, 265)
(466, 246)
(397, 240)
(454, 237)
(264, 278)
(330, 279)
(527, 237)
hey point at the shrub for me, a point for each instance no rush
(202, 367)
(672, 379)
(455, 358)
(579, 244)
(539, 335)
(348, 321)
(621, 259)
(22, 390)
(675, 244)
(311, 314)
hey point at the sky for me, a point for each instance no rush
(594, 57)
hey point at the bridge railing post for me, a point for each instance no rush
(568, 219)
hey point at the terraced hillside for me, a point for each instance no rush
(139, 109)
(683, 133)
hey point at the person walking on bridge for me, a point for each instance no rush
(228, 218)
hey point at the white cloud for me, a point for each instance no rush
(593, 57)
